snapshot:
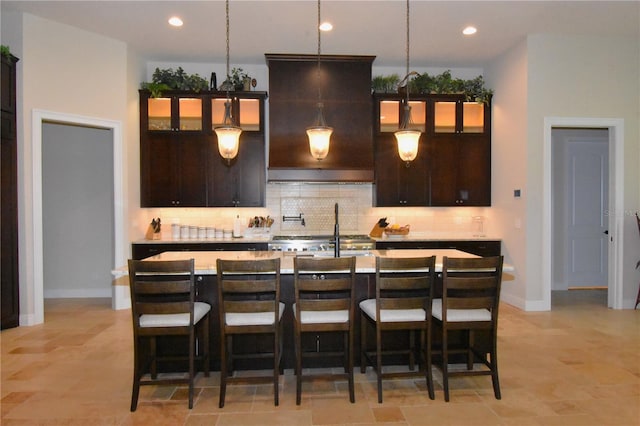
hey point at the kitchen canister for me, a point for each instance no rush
(211, 233)
(219, 233)
(228, 233)
(193, 232)
(184, 232)
(175, 231)
(202, 232)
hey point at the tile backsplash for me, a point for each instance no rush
(315, 202)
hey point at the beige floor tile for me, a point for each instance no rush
(76, 370)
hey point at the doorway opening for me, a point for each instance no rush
(580, 197)
(77, 211)
(611, 223)
(35, 287)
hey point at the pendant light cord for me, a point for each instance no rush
(407, 52)
(320, 106)
(228, 73)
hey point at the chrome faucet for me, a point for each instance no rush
(336, 235)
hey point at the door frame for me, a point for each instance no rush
(38, 117)
(615, 127)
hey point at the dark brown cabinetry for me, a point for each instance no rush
(460, 151)
(396, 182)
(345, 84)
(144, 250)
(241, 182)
(173, 150)
(453, 166)
(479, 248)
(10, 308)
(179, 161)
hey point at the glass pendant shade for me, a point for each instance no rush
(407, 144)
(319, 139)
(228, 141)
(407, 137)
(228, 135)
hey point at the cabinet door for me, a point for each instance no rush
(241, 182)
(474, 171)
(176, 113)
(192, 170)
(444, 170)
(399, 184)
(158, 165)
(174, 171)
(461, 170)
(453, 115)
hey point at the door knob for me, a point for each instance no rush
(606, 232)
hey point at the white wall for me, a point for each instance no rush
(69, 71)
(508, 77)
(572, 76)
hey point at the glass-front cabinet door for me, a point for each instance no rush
(391, 111)
(175, 113)
(159, 113)
(245, 109)
(456, 116)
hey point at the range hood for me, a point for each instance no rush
(320, 175)
(345, 84)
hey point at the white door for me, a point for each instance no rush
(587, 171)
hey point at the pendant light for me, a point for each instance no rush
(406, 136)
(319, 134)
(228, 133)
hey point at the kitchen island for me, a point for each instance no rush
(205, 269)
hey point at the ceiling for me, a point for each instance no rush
(360, 27)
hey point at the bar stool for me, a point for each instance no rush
(163, 304)
(404, 290)
(249, 299)
(470, 301)
(324, 303)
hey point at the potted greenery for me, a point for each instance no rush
(237, 80)
(168, 79)
(5, 51)
(473, 90)
(385, 84)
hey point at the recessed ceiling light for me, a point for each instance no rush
(326, 26)
(469, 30)
(175, 21)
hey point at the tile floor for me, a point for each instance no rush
(576, 365)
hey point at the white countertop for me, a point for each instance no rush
(413, 236)
(205, 261)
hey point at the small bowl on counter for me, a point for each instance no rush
(397, 232)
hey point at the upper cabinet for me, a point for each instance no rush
(345, 86)
(453, 166)
(179, 161)
(460, 152)
(398, 183)
(240, 182)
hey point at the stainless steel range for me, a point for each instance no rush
(350, 245)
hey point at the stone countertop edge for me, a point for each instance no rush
(427, 236)
(205, 261)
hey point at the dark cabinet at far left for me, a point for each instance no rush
(180, 165)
